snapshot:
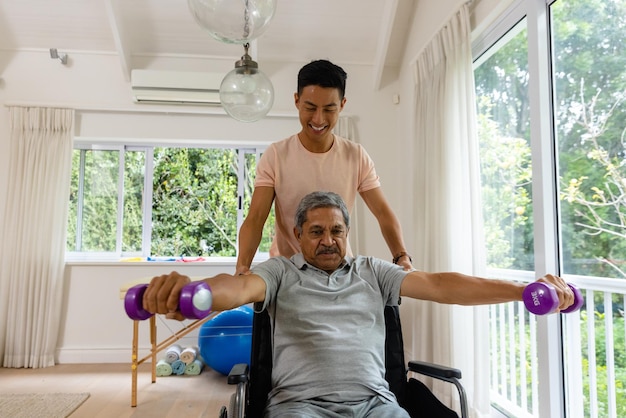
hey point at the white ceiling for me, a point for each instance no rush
(369, 32)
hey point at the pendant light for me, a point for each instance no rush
(246, 93)
(233, 21)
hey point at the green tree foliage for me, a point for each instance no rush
(504, 140)
(590, 88)
(134, 175)
(194, 202)
(99, 208)
(507, 210)
(599, 355)
(589, 81)
(589, 56)
(71, 244)
(599, 205)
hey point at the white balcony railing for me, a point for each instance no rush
(594, 380)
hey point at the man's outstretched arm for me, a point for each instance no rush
(227, 291)
(461, 289)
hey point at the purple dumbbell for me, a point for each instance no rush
(194, 303)
(541, 298)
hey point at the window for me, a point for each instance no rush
(504, 144)
(551, 89)
(503, 108)
(589, 84)
(170, 202)
(590, 110)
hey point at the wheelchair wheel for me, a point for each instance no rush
(236, 407)
(223, 413)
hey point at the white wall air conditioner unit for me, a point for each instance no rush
(176, 87)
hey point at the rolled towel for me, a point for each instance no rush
(194, 368)
(189, 354)
(163, 368)
(173, 353)
(178, 367)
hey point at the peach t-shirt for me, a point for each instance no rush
(294, 172)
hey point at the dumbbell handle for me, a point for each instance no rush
(541, 298)
(194, 302)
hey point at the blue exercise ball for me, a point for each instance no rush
(226, 339)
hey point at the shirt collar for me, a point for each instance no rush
(299, 261)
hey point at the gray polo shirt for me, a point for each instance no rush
(329, 330)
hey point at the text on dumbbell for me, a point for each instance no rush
(535, 296)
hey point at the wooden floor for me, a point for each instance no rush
(109, 386)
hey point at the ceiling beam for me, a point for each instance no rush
(384, 41)
(392, 38)
(117, 31)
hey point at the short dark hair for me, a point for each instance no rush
(317, 200)
(322, 73)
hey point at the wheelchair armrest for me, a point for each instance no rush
(238, 374)
(447, 374)
(434, 370)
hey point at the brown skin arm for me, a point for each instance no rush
(251, 230)
(388, 222)
(228, 292)
(460, 289)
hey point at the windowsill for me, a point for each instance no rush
(149, 263)
(212, 261)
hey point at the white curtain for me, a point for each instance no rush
(447, 211)
(33, 235)
(346, 128)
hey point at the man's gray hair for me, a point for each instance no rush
(317, 200)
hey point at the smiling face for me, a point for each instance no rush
(323, 238)
(318, 109)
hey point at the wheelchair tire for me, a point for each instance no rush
(234, 410)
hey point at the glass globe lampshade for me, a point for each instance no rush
(246, 93)
(233, 21)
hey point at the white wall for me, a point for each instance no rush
(95, 328)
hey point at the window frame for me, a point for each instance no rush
(123, 146)
(550, 354)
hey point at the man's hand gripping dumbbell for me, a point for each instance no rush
(194, 302)
(541, 298)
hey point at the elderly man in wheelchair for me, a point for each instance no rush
(327, 314)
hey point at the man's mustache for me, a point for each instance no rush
(327, 250)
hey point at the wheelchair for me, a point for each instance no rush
(253, 383)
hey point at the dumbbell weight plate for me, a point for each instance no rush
(540, 298)
(195, 300)
(578, 300)
(133, 303)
